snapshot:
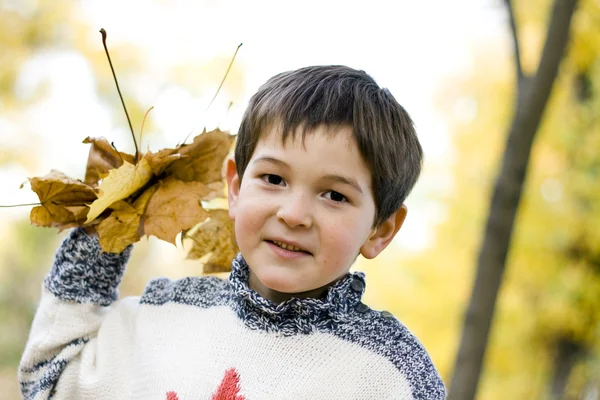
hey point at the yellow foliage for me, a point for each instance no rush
(553, 267)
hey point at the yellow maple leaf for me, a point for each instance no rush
(120, 184)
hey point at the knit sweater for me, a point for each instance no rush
(205, 338)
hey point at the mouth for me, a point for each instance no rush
(288, 247)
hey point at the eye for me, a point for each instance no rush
(272, 179)
(336, 196)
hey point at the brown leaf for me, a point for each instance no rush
(174, 207)
(203, 159)
(51, 215)
(161, 160)
(101, 159)
(120, 228)
(63, 200)
(79, 212)
(219, 188)
(58, 187)
(215, 236)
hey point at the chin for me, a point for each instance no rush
(281, 286)
(281, 282)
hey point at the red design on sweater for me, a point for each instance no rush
(229, 388)
(172, 396)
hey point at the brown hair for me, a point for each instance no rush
(339, 95)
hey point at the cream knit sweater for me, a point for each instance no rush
(205, 338)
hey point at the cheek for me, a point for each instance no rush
(247, 223)
(251, 214)
(341, 243)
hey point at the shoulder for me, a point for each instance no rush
(382, 333)
(203, 291)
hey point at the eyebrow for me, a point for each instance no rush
(271, 160)
(329, 177)
(341, 179)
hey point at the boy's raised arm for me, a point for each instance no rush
(75, 297)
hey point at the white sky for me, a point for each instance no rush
(408, 46)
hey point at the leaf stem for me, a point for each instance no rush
(118, 152)
(20, 205)
(219, 88)
(103, 32)
(225, 77)
(56, 203)
(143, 122)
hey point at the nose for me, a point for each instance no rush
(295, 211)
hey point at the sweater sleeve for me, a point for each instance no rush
(76, 294)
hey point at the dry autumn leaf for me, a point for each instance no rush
(161, 160)
(120, 228)
(79, 214)
(120, 184)
(217, 237)
(202, 160)
(166, 206)
(176, 206)
(146, 198)
(63, 200)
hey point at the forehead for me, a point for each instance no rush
(326, 148)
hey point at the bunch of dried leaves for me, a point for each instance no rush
(125, 197)
(160, 195)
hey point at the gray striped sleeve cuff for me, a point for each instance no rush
(83, 273)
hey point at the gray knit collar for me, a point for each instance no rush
(341, 299)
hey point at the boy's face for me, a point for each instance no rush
(303, 212)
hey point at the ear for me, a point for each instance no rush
(383, 234)
(233, 187)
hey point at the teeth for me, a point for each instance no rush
(287, 246)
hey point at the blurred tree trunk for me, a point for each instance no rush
(531, 99)
(568, 348)
(568, 352)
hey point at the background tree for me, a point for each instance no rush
(531, 97)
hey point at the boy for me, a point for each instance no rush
(323, 162)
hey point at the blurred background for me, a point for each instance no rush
(450, 64)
